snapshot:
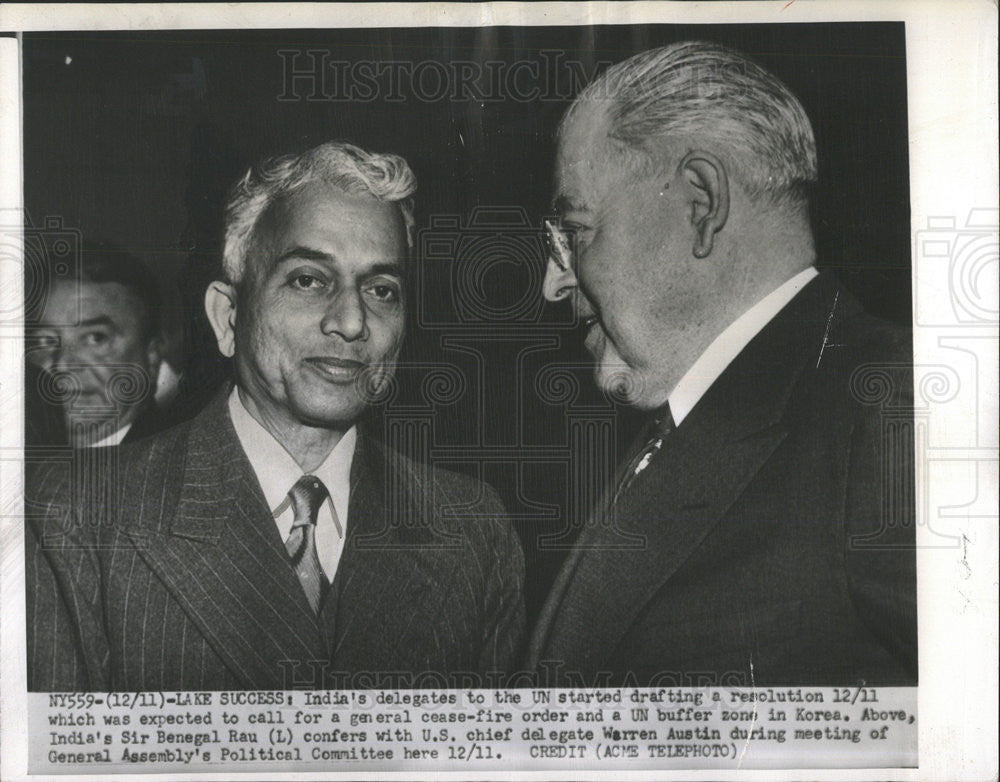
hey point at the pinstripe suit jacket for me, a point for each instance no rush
(163, 570)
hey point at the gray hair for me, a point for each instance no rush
(750, 118)
(387, 177)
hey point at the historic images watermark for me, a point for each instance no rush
(314, 74)
(317, 74)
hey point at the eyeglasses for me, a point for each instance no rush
(560, 250)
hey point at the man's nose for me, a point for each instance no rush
(61, 356)
(45, 359)
(558, 282)
(346, 316)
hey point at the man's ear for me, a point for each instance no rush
(706, 175)
(154, 356)
(220, 306)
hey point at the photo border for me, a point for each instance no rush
(951, 85)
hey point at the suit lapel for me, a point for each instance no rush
(671, 512)
(387, 573)
(220, 555)
(147, 423)
(553, 603)
(684, 493)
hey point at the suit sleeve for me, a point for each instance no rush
(881, 520)
(66, 644)
(504, 615)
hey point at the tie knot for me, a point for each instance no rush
(307, 495)
(663, 421)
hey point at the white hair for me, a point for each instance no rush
(387, 177)
(694, 88)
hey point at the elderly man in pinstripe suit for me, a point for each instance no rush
(268, 543)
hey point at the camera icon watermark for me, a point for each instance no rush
(488, 269)
(957, 282)
(42, 256)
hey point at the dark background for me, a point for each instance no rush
(136, 137)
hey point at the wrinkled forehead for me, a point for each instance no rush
(352, 228)
(71, 302)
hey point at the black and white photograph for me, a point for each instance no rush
(545, 395)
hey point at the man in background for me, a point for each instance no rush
(96, 346)
(762, 529)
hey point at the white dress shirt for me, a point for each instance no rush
(277, 472)
(115, 438)
(728, 345)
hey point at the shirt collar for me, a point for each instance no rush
(277, 471)
(728, 345)
(115, 438)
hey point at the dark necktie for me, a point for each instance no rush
(307, 495)
(656, 432)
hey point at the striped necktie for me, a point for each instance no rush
(307, 495)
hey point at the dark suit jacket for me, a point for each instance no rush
(151, 420)
(167, 572)
(46, 429)
(771, 541)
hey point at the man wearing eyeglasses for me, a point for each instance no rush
(761, 531)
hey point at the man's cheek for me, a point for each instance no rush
(397, 345)
(388, 339)
(95, 374)
(258, 338)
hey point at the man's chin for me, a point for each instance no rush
(327, 413)
(336, 420)
(627, 387)
(88, 401)
(618, 382)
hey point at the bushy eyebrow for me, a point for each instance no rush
(99, 320)
(393, 269)
(306, 254)
(564, 203)
(310, 254)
